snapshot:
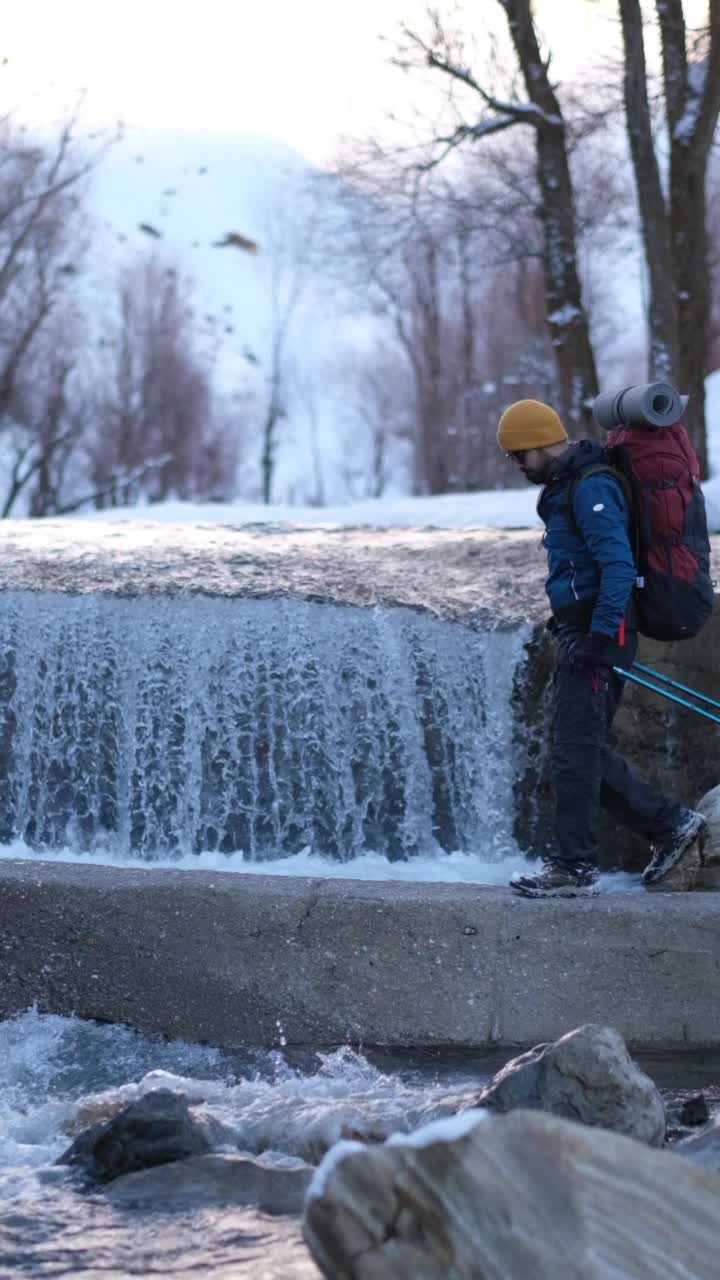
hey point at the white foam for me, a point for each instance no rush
(451, 868)
(50, 1069)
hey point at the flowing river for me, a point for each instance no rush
(57, 1074)
(274, 735)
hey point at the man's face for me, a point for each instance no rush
(534, 464)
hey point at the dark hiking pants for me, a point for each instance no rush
(587, 772)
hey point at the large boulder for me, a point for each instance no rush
(489, 1197)
(587, 1075)
(155, 1129)
(216, 1180)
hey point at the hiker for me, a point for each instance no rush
(590, 582)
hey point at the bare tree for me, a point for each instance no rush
(515, 359)
(158, 432)
(566, 318)
(675, 224)
(305, 387)
(287, 250)
(380, 433)
(43, 237)
(467, 313)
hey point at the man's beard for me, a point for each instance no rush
(538, 475)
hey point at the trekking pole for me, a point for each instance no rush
(657, 675)
(664, 693)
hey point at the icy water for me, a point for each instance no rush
(56, 1074)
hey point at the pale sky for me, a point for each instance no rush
(303, 72)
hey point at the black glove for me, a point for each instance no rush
(592, 651)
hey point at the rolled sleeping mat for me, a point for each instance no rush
(654, 404)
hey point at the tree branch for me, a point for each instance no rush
(117, 482)
(530, 113)
(463, 133)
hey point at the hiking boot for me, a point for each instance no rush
(690, 830)
(557, 880)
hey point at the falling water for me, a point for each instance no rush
(159, 726)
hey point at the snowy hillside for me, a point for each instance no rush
(182, 194)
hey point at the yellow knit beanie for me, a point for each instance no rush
(529, 424)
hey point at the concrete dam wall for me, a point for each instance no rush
(263, 960)
(255, 691)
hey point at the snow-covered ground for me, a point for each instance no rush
(497, 508)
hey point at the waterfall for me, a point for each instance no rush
(156, 725)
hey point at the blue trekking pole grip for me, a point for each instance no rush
(665, 693)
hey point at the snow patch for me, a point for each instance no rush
(329, 1163)
(563, 316)
(447, 1130)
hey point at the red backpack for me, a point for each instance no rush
(660, 475)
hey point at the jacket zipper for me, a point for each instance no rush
(572, 580)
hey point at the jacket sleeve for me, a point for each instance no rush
(602, 516)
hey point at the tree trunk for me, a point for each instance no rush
(688, 224)
(663, 355)
(267, 460)
(674, 231)
(566, 316)
(468, 461)
(692, 94)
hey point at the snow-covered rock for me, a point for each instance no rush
(519, 1195)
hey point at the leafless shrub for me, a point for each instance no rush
(158, 432)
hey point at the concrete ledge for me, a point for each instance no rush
(235, 959)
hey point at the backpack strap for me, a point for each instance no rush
(597, 468)
(594, 469)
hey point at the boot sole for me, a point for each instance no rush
(694, 838)
(584, 891)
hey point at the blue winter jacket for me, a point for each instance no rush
(591, 570)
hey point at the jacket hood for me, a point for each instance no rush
(583, 453)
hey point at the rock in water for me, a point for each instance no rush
(155, 1129)
(519, 1197)
(587, 1075)
(216, 1180)
(695, 1110)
